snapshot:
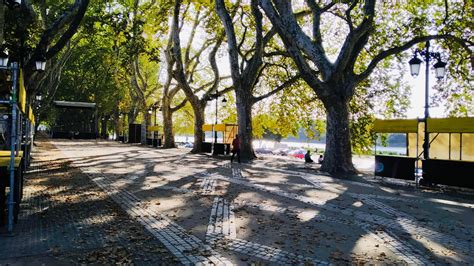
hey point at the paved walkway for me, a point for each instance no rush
(195, 208)
(66, 218)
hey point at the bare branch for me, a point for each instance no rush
(138, 89)
(196, 22)
(398, 49)
(282, 86)
(179, 106)
(284, 21)
(317, 11)
(348, 14)
(213, 63)
(356, 39)
(446, 15)
(231, 40)
(244, 34)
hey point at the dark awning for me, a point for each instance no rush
(66, 104)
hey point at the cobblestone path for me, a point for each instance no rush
(66, 219)
(199, 209)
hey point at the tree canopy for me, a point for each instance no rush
(328, 67)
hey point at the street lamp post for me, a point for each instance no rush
(122, 116)
(154, 109)
(216, 97)
(415, 64)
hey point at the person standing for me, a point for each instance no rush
(235, 148)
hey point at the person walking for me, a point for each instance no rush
(235, 148)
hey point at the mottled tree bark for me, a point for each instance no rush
(333, 83)
(245, 79)
(244, 119)
(167, 124)
(198, 132)
(337, 156)
(184, 72)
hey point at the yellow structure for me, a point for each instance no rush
(22, 93)
(150, 134)
(396, 126)
(31, 116)
(5, 158)
(153, 128)
(450, 138)
(228, 130)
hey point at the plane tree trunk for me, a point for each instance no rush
(337, 155)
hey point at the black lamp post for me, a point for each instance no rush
(440, 70)
(122, 117)
(155, 107)
(224, 101)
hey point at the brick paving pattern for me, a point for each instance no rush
(264, 212)
(187, 248)
(66, 219)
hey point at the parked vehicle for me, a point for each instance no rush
(263, 151)
(298, 153)
(281, 152)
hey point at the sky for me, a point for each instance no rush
(418, 95)
(417, 99)
(417, 85)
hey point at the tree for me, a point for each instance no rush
(48, 39)
(91, 68)
(247, 66)
(186, 73)
(169, 91)
(364, 43)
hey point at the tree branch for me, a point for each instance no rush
(191, 37)
(213, 63)
(135, 84)
(348, 14)
(356, 39)
(317, 11)
(79, 8)
(398, 49)
(231, 40)
(282, 86)
(284, 20)
(179, 106)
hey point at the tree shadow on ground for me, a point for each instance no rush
(395, 227)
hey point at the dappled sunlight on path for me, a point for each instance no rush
(277, 212)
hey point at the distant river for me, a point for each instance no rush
(269, 144)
